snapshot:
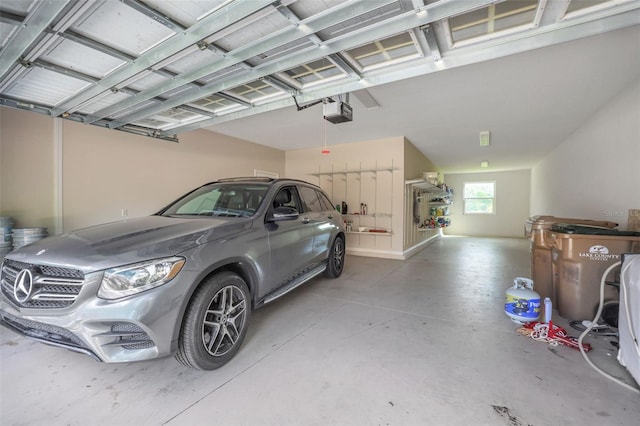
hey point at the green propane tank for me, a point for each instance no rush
(522, 304)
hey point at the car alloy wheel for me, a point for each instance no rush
(335, 262)
(224, 320)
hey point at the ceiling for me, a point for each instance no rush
(530, 72)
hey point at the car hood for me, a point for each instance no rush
(129, 241)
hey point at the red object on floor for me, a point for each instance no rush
(557, 334)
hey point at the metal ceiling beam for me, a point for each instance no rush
(197, 110)
(11, 18)
(133, 129)
(95, 45)
(539, 38)
(61, 70)
(432, 42)
(64, 19)
(280, 85)
(31, 28)
(75, 10)
(100, 47)
(233, 99)
(294, 19)
(345, 66)
(380, 30)
(209, 25)
(311, 25)
(30, 106)
(155, 15)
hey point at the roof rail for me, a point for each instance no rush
(248, 178)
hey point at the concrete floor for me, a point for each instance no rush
(417, 342)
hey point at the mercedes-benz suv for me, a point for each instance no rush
(182, 281)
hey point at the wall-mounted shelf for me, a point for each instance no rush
(344, 172)
(376, 233)
(436, 198)
(426, 187)
(368, 215)
(367, 190)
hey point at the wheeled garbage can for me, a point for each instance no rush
(580, 255)
(541, 267)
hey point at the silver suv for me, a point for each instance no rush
(183, 281)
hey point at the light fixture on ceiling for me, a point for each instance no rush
(484, 164)
(366, 99)
(485, 138)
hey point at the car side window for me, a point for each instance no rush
(326, 203)
(287, 197)
(311, 200)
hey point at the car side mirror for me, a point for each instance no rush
(283, 213)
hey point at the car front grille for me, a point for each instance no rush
(52, 287)
(46, 332)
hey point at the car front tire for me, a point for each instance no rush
(215, 322)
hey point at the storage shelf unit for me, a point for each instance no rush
(361, 177)
(430, 192)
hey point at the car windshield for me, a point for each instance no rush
(220, 200)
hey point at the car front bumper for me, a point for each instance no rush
(135, 328)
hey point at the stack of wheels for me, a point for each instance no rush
(6, 244)
(24, 236)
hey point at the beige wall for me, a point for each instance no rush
(595, 173)
(512, 205)
(383, 191)
(105, 171)
(415, 164)
(26, 168)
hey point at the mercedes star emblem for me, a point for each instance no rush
(23, 286)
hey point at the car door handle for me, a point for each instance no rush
(305, 220)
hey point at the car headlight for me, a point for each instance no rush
(132, 279)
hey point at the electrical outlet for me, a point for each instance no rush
(123, 212)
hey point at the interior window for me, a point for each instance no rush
(479, 197)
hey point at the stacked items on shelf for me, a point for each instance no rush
(433, 223)
(439, 208)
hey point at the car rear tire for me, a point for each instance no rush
(215, 322)
(335, 262)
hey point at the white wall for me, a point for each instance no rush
(595, 173)
(512, 205)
